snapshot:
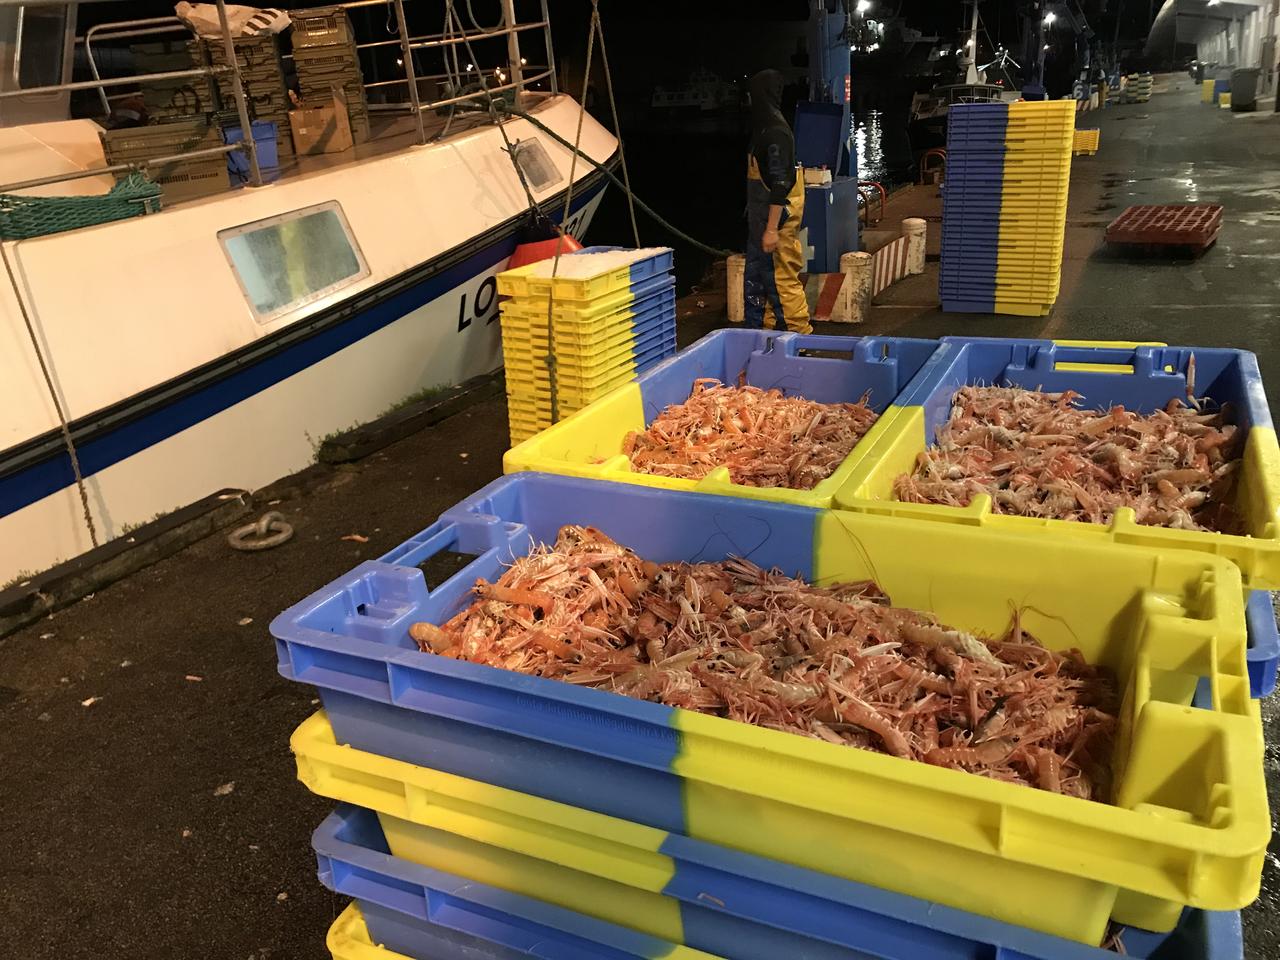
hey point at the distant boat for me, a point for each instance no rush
(706, 104)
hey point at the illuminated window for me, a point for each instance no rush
(293, 259)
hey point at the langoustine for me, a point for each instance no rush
(764, 438)
(1039, 455)
(833, 663)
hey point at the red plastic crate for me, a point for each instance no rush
(1182, 225)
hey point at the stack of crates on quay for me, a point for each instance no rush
(1138, 88)
(488, 813)
(267, 96)
(606, 315)
(1005, 206)
(181, 179)
(325, 57)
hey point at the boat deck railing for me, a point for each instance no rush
(471, 86)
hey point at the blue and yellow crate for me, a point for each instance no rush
(487, 814)
(1005, 205)
(573, 339)
(1189, 827)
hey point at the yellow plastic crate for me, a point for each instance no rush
(584, 291)
(521, 283)
(1021, 308)
(348, 939)
(1086, 141)
(573, 312)
(536, 378)
(603, 329)
(1206, 91)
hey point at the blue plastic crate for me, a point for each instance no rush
(967, 306)
(264, 138)
(1264, 643)
(880, 366)
(421, 912)
(431, 915)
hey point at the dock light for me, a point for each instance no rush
(864, 6)
(1046, 46)
(969, 42)
(1049, 18)
(471, 66)
(523, 62)
(399, 62)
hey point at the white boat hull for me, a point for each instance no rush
(259, 411)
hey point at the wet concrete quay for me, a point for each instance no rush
(151, 807)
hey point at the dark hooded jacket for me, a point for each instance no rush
(772, 143)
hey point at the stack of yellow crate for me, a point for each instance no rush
(606, 315)
(1033, 205)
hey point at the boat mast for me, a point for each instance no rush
(969, 59)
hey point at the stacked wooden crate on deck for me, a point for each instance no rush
(607, 315)
(1005, 205)
(262, 78)
(325, 57)
(183, 178)
(166, 99)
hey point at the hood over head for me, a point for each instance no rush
(766, 99)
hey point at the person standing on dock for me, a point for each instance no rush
(775, 205)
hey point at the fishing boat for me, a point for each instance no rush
(149, 362)
(927, 126)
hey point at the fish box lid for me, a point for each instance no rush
(818, 130)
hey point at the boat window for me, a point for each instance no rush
(293, 259)
(536, 164)
(42, 38)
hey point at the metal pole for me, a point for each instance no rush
(237, 91)
(111, 82)
(479, 96)
(513, 44)
(551, 53)
(121, 167)
(406, 54)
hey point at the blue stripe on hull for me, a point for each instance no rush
(49, 476)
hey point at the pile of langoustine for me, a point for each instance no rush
(764, 438)
(1040, 455)
(837, 663)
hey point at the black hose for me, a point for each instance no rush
(657, 218)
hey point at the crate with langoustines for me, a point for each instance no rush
(819, 368)
(349, 847)
(1140, 378)
(1187, 824)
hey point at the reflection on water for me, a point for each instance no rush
(881, 147)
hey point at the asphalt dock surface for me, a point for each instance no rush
(149, 801)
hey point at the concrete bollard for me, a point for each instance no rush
(854, 302)
(914, 229)
(736, 267)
